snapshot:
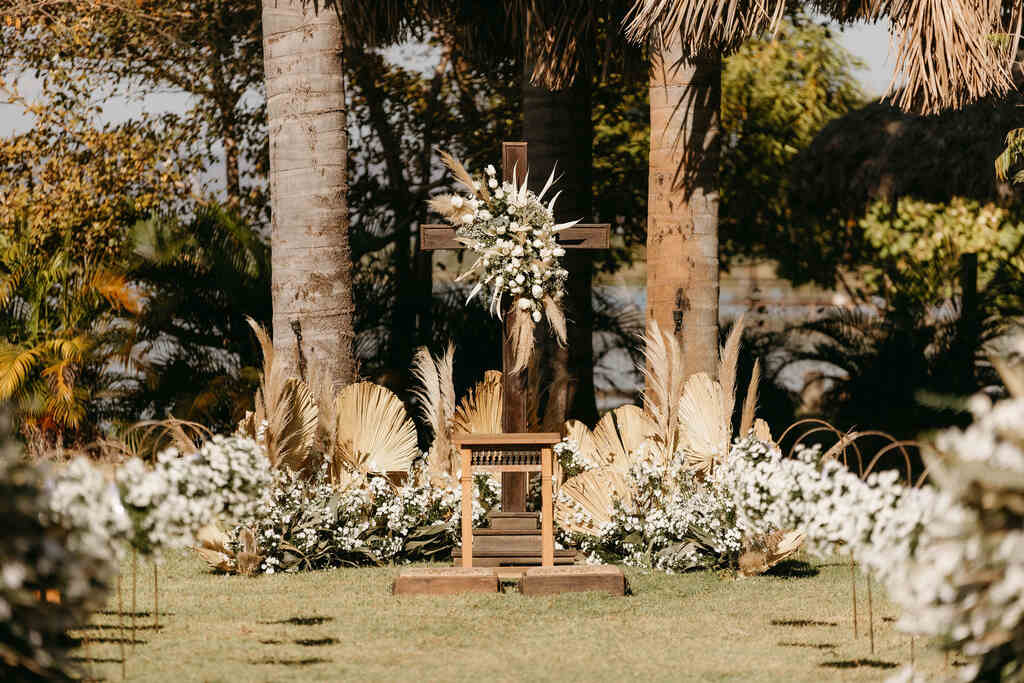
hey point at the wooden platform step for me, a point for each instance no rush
(552, 580)
(445, 581)
(514, 520)
(505, 559)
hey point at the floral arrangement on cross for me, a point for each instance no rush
(513, 232)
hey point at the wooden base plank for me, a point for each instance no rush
(445, 581)
(553, 580)
(504, 558)
(514, 520)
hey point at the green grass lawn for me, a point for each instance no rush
(345, 625)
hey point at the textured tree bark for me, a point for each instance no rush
(682, 226)
(558, 128)
(311, 260)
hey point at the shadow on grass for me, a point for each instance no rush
(301, 621)
(95, 660)
(114, 641)
(801, 622)
(291, 662)
(118, 627)
(316, 642)
(128, 615)
(816, 646)
(793, 569)
(854, 663)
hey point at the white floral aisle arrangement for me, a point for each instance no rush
(513, 233)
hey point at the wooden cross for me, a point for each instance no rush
(514, 386)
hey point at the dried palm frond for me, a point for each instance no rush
(373, 433)
(285, 415)
(762, 431)
(479, 412)
(618, 436)
(702, 26)
(595, 492)
(581, 434)
(704, 427)
(215, 547)
(521, 337)
(728, 362)
(147, 438)
(664, 372)
(750, 401)
(767, 550)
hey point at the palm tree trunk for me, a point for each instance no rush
(558, 128)
(682, 225)
(311, 260)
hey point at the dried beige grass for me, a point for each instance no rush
(463, 176)
(665, 378)
(521, 337)
(556, 319)
(750, 401)
(703, 423)
(729, 357)
(373, 433)
(434, 393)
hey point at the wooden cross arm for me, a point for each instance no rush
(582, 236)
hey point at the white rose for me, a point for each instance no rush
(492, 183)
(520, 279)
(558, 251)
(537, 291)
(490, 169)
(536, 316)
(525, 304)
(499, 193)
(467, 219)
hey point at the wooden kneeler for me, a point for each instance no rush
(508, 453)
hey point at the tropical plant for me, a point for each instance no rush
(66, 344)
(200, 278)
(1012, 156)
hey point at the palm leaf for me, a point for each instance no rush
(729, 357)
(594, 493)
(479, 412)
(16, 365)
(703, 423)
(665, 379)
(373, 433)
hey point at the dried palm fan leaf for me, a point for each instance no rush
(285, 411)
(581, 434)
(767, 550)
(373, 433)
(215, 547)
(479, 412)
(665, 378)
(728, 361)
(595, 492)
(750, 401)
(618, 436)
(703, 424)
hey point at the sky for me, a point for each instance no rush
(869, 42)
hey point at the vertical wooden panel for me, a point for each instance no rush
(514, 386)
(547, 526)
(467, 509)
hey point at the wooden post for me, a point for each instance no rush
(467, 508)
(547, 523)
(514, 386)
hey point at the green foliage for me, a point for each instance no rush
(200, 278)
(919, 245)
(64, 338)
(1012, 157)
(777, 94)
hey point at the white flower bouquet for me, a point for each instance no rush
(514, 234)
